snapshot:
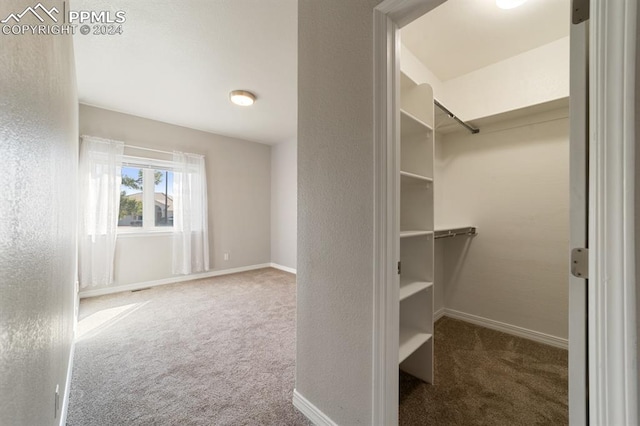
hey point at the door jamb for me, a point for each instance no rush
(612, 302)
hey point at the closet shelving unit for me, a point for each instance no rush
(416, 229)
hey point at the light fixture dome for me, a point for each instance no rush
(242, 97)
(509, 4)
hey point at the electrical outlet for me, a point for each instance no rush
(226, 256)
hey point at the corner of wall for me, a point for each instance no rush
(413, 68)
(284, 202)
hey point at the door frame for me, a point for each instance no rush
(612, 374)
(389, 17)
(612, 351)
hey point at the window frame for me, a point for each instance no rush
(148, 166)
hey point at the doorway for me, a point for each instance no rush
(391, 16)
(501, 205)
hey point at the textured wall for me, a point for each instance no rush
(284, 203)
(335, 209)
(38, 160)
(511, 181)
(238, 185)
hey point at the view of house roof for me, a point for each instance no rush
(158, 196)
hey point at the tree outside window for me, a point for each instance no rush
(142, 185)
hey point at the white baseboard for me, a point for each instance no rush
(283, 268)
(67, 386)
(172, 280)
(312, 412)
(439, 314)
(536, 336)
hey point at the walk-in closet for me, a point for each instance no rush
(484, 214)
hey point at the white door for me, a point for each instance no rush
(578, 405)
(602, 312)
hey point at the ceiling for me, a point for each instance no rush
(462, 36)
(177, 61)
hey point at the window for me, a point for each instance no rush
(146, 195)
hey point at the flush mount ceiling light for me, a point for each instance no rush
(242, 97)
(509, 4)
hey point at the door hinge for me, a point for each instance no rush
(399, 268)
(579, 11)
(580, 263)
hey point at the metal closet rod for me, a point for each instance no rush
(470, 128)
(449, 233)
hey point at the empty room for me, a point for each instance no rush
(186, 120)
(327, 212)
(202, 128)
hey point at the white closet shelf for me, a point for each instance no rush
(409, 287)
(416, 207)
(410, 340)
(411, 125)
(414, 178)
(408, 234)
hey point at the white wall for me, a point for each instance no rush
(335, 209)
(439, 219)
(534, 77)
(420, 73)
(238, 185)
(530, 78)
(284, 203)
(38, 159)
(511, 181)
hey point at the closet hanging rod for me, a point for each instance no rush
(470, 128)
(450, 233)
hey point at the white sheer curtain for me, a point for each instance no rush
(100, 177)
(190, 229)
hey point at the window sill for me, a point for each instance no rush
(143, 233)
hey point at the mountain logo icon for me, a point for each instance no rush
(43, 11)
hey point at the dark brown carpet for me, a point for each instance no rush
(485, 377)
(218, 351)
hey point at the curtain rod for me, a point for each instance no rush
(470, 128)
(162, 152)
(141, 147)
(147, 149)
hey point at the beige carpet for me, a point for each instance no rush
(218, 351)
(484, 377)
(221, 351)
